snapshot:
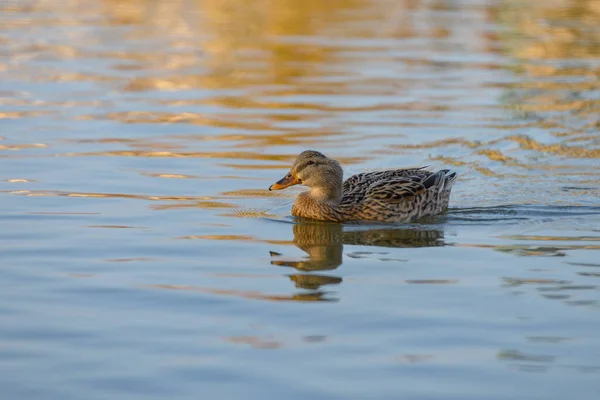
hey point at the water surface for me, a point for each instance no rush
(143, 256)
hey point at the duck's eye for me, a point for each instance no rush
(310, 163)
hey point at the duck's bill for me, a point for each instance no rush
(289, 180)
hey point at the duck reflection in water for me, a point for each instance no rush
(324, 243)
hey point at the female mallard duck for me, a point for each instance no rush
(400, 195)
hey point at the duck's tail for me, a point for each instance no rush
(449, 179)
(441, 180)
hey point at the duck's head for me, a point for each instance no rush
(317, 171)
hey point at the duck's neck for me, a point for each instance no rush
(328, 195)
(319, 204)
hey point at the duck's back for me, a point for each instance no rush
(355, 187)
(397, 195)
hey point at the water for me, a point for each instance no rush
(143, 257)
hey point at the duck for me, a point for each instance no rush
(390, 196)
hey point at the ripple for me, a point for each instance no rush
(517, 355)
(252, 295)
(116, 227)
(19, 180)
(254, 342)
(170, 176)
(110, 195)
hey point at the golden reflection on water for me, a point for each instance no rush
(555, 47)
(265, 69)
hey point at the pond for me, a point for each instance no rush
(143, 257)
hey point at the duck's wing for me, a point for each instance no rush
(357, 185)
(394, 191)
(404, 188)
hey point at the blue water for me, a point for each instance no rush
(142, 256)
